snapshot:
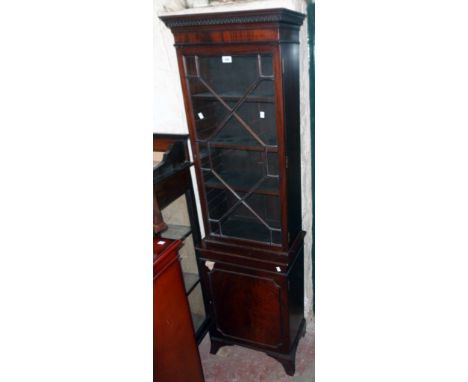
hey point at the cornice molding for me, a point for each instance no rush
(277, 15)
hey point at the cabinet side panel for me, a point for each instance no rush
(296, 295)
(290, 61)
(173, 338)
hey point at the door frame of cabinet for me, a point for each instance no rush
(210, 50)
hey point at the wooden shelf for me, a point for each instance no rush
(247, 228)
(240, 183)
(231, 96)
(235, 143)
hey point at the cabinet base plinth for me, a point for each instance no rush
(287, 360)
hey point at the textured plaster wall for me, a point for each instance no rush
(169, 107)
(169, 113)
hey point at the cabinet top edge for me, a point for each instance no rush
(273, 15)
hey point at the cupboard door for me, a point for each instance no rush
(247, 307)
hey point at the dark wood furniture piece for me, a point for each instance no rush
(240, 79)
(171, 176)
(171, 181)
(175, 352)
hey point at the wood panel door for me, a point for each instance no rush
(248, 307)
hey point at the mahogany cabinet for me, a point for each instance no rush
(175, 353)
(240, 79)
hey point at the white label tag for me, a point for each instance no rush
(278, 269)
(262, 114)
(226, 59)
(210, 265)
(201, 116)
(161, 242)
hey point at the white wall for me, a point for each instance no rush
(169, 106)
(169, 113)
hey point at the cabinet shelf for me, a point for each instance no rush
(249, 229)
(239, 144)
(233, 96)
(241, 183)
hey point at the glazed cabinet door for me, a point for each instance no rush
(235, 134)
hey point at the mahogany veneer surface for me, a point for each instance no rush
(175, 353)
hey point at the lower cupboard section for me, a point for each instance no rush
(256, 308)
(247, 307)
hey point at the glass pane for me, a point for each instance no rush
(190, 66)
(260, 117)
(233, 132)
(198, 89)
(203, 155)
(219, 200)
(267, 207)
(197, 309)
(267, 64)
(260, 221)
(272, 165)
(267, 185)
(240, 170)
(229, 75)
(176, 216)
(209, 113)
(276, 236)
(208, 116)
(264, 89)
(242, 223)
(189, 264)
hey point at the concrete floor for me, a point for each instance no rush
(238, 364)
